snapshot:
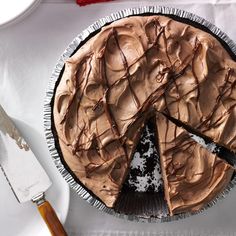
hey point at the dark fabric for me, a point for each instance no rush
(86, 2)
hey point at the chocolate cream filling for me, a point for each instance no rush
(132, 69)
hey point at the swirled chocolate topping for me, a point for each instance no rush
(131, 69)
(192, 175)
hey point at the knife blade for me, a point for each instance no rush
(26, 177)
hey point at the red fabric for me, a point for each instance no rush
(86, 2)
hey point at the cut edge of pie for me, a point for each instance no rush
(192, 175)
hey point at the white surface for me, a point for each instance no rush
(12, 10)
(28, 52)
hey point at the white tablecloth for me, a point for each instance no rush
(28, 53)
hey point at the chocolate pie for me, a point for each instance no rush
(136, 68)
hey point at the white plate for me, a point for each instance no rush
(23, 219)
(12, 10)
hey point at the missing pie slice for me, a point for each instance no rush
(192, 175)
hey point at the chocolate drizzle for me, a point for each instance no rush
(77, 85)
(126, 67)
(134, 68)
(104, 100)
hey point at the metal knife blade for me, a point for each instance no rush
(23, 172)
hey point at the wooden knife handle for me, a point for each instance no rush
(51, 219)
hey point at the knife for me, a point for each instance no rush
(26, 177)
